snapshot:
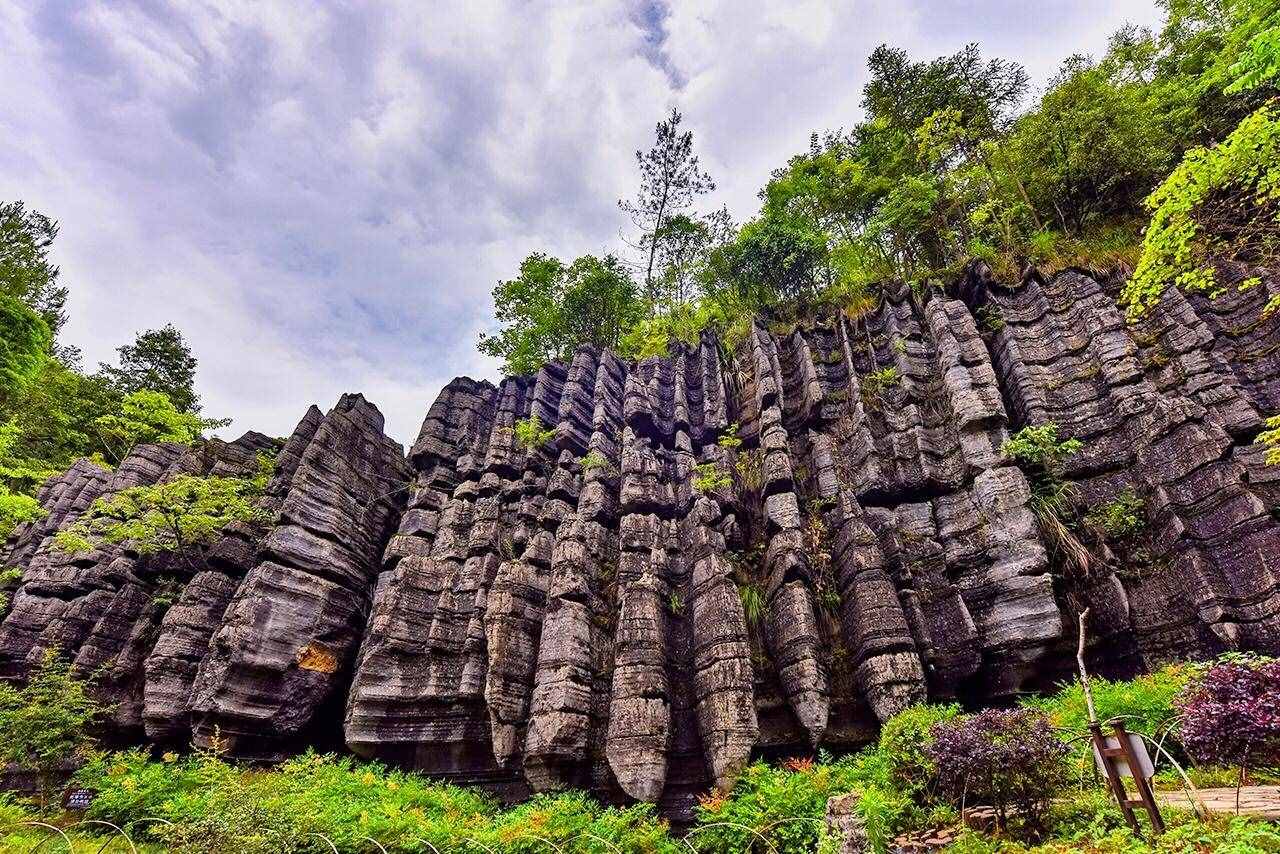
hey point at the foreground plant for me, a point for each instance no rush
(1008, 758)
(47, 722)
(1231, 714)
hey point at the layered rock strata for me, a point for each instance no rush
(634, 577)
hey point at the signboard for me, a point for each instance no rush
(77, 800)
(1137, 749)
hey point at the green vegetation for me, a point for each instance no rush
(906, 782)
(710, 477)
(551, 309)
(530, 434)
(46, 722)
(1160, 154)
(1146, 703)
(879, 381)
(1120, 518)
(51, 410)
(596, 461)
(752, 595)
(1270, 439)
(172, 516)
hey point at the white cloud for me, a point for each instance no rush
(322, 196)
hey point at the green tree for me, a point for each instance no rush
(24, 345)
(175, 515)
(1093, 147)
(57, 414)
(157, 360)
(46, 722)
(1220, 203)
(670, 179)
(551, 309)
(25, 271)
(18, 479)
(149, 416)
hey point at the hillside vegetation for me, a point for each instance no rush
(1158, 157)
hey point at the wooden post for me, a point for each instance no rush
(1108, 755)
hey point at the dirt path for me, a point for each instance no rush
(1261, 801)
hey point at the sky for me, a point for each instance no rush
(322, 196)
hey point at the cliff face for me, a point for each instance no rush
(716, 555)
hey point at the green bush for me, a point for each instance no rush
(46, 722)
(1120, 518)
(1145, 703)
(530, 433)
(903, 742)
(218, 807)
(786, 804)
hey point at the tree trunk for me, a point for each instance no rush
(653, 243)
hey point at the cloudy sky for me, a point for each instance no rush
(322, 195)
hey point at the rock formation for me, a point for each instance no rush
(734, 550)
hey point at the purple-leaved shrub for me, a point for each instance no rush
(1008, 758)
(1231, 714)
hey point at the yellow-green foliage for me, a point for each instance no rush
(1271, 440)
(709, 477)
(786, 803)
(219, 807)
(1146, 702)
(876, 383)
(1219, 201)
(47, 721)
(903, 739)
(681, 323)
(1119, 518)
(169, 516)
(530, 433)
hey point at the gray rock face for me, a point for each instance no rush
(717, 553)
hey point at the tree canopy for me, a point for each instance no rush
(1158, 155)
(51, 410)
(551, 309)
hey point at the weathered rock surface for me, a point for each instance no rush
(716, 554)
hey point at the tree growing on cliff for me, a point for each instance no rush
(149, 416)
(670, 179)
(158, 360)
(26, 273)
(551, 309)
(172, 516)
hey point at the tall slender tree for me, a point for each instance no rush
(670, 179)
(26, 273)
(157, 360)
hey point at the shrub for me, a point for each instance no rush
(1229, 714)
(47, 722)
(1146, 703)
(904, 741)
(597, 461)
(1220, 202)
(1038, 448)
(1120, 518)
(709, 477)
(787, 804)
(217, 807)
(1270, 439)
(530, 433)
(876, 383)
(173, 515)
(1008, 758)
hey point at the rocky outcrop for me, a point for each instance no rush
(633, 578)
